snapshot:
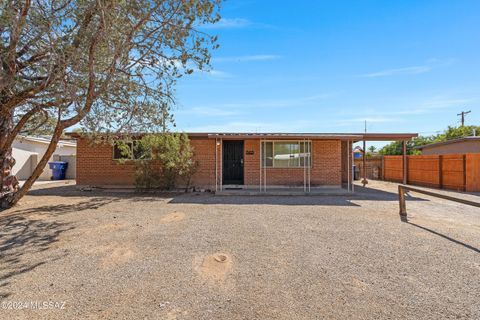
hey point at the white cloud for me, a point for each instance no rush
(423, 107)
(430, 64)
(208, 111)
(228, 23)
(219, 74)
(274, 103)
(251, 126)
(398, 71)
(434, 104)
(258, 57)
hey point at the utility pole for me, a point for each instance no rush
(462, 116)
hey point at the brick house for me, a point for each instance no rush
(257, 161)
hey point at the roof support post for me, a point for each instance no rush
(404, 162)
(364, 164)
(304, 156)
(309, 168)
(349, 167)
(265, 166)
(221, 164)
(260, 165)
(216, 164)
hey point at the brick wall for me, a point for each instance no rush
(95, 165)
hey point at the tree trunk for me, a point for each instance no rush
(40, 166)
(8, 183)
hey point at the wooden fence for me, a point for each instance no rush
(373, 167)
(452, 171)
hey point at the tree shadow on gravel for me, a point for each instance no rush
(361, 193)
(26, 233)
(109, 194)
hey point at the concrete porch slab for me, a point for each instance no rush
(321, 191)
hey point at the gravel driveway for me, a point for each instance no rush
(67, 254)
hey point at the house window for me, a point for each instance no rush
(286, 154)
(129, 151)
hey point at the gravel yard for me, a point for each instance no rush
(188, 256)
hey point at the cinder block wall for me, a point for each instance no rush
(96, 167)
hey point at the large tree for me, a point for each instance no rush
(106, 65)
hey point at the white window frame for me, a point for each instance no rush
(299, 142)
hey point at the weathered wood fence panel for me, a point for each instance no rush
(373, 167)
(473, 171)
(453, 171)
(423, 170)
(393, 168)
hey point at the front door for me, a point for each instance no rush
(233, 162)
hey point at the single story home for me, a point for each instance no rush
(454, 146)
(28, 150)
(258, 161)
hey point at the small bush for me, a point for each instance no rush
(164, 160)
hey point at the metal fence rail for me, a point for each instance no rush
(402, 189)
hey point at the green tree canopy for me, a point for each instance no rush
(395, 147)
(105, 65)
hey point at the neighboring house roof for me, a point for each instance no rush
(46, 140)
(436, 144)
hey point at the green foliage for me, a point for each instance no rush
(108, 67)
(395, 148)
(164, 160)
(457, 132)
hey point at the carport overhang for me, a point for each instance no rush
(403, 137)
(386, 136)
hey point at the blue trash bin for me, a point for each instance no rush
(59, 168)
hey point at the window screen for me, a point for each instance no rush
(286, 154)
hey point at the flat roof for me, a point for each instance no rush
(325, 136)
(285, 135)
(46, 140)
(436, 144)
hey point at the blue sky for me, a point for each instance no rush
(326, 66)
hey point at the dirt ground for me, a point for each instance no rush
(68, 254)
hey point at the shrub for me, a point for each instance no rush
(163, 161)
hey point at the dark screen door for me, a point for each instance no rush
(233, 162)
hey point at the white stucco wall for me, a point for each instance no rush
(27, 153)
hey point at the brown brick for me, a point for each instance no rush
(95, 165)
